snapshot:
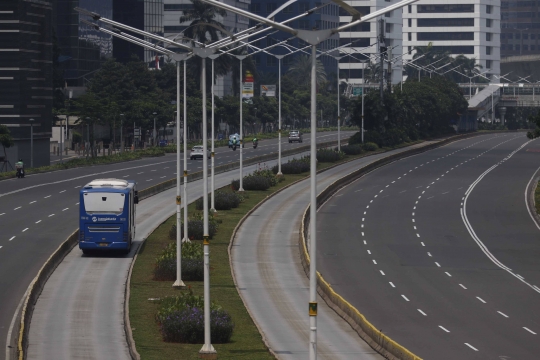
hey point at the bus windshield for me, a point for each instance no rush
(104, 203)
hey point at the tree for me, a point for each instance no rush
(300, 71)
(5, 138)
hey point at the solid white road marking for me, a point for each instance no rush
(421, 312)
(482, 300)
(503, 314)
(392, 284)
(62, 191)
(403, 296)
(529, 330)
(472, 347)
(31, 202)
(382, 272)
(444, 329)
(37, 222)
(24, 230)
(463, 286)
(17, 208)
(13, 237)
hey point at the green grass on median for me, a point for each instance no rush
(246, 342)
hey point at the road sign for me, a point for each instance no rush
(357, 91)
(268, 90)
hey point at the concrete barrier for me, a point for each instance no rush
(37, 286)
(376, 338)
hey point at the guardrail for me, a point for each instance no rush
(376, 338)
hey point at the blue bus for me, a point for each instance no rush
(107, 215)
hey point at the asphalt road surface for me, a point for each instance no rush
(439, 250)
(38, 212)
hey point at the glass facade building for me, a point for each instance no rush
(520, 27)
(26, 84)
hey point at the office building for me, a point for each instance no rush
(364, 39)
(520, 28)
(471, 28)
(26, 92)
(174, 9)
(324, 18)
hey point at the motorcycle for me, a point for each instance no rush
(255, 145)
(20, 173)
(234, 147)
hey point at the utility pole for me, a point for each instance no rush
(389, 73)
(382, 52)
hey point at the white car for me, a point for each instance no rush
(198, 152)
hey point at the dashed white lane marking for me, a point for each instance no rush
(48, 196)
(65, 209)
(375, 197)
(153, 170)
(51, 215)
(438, 265)
(429, 254)
(62, 191)
(375, 262)
(365, 243)
(529, 330)
(418, 235)
(358, 190)
(2, 214)
(77, 204)
(447, 273)
(421, 312)
(482, 300)
(13, 237)
(445, 192)
(77, 187)
(393, 181)
(392, 284)
(503, 314)
(17, 208)
(362, 233)
(0, 247)
(403, 296)
(149, 179)
(444, 329)
(163, 177)
(521, 277)
(369, 252)
(125, 176)
(421, 242)
(463, 286)
(31, 202)
(37, 222)
(402, 191)
(24, 230)
(472, 347)
(142, 172)
(166, 167)
(382, 272)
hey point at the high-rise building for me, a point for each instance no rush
(471, 28)
(174, 9)
(325, 18)
(520, 27)
(364, 38)
(26, 84)
(82, 48)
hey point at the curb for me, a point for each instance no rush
(35, 288)
(531, 202)
(367, 331)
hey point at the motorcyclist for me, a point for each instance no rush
(19, 165)
(255, 141)
(234, 140)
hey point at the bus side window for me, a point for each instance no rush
(136, 200)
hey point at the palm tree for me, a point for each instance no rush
(300, 70)
(203, 27)
(467, 65)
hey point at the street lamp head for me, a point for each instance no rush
(154, 113)
(121, 114)
(31, 119)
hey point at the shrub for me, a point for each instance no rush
(192, 262)
(356, 139)
(252, 182)
(195, 230)
(369, 146)
(326, 155)
(265, 172)
(294, 166)
(222, 201)
(373, 137)
(181, 319)
(352, 149)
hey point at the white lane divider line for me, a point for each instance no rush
(149, 179)
(447, 273)
(77, 204)
(31, 202)
(17, 208)
(438, 265)
(429, 254)
(51, 215)
(365, 243)
(421, 242)
(375, 262)
(163, 177)
(421, 312)
(418, 235)
(362, 233)
(358, 190)
(444, 329)
(369, 252)
(153, 170)
(48, 196)
(24, 230)
(463, 286)
(142, 172)
(403, 296)
(392, 284)
(382, 272)
(13, 237)
(76, 187)
(472, 347)
(37, 222)
(529, 330)
(482, 300)
(2, 214)
(503, 314)
(65, 209)
(62, 191)
(125, 176)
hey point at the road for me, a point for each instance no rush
(39, 212)
(439, 251)
(272, 283)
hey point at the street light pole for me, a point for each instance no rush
(212, 154)
(121, 133)
(279, 57)
(178, 283)
(155, 113)
(31, 142)
(241, 186)
(338, 109)
(363, 82)
(186, 238)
